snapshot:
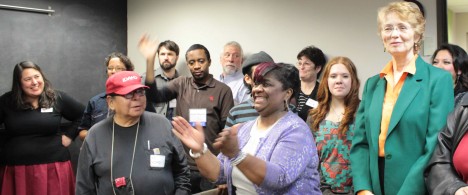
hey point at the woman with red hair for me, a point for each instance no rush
(332, 124)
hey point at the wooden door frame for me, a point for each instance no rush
(442, 32)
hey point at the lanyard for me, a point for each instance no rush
(133, 157)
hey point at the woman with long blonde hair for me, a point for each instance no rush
(332, 124)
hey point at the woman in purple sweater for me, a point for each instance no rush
(274, 154)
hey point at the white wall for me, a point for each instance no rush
(451, 18)
(279, 27)
(461, 30)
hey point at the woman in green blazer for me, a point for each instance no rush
(401, 112)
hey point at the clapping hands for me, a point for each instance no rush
(194, 138)
(227, 142)
(189, 136)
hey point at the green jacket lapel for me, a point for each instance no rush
(408, 93)
(375, 110)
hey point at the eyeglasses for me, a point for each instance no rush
(390, 29)
(109, 68)
(139, 92)
(305, 64)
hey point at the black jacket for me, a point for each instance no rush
(440, 174)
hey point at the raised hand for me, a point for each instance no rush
(147, 47)
(227, 142)
(149, 50)
(189, 136)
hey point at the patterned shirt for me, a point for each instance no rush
(302, 108)
(333, 150)
(241, 113)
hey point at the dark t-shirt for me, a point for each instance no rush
(154, 137)
(301, 108)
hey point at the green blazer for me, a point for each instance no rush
(420, 111)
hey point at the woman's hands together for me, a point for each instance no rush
(227, 142)
(194, 138)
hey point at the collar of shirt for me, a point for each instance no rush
(234, 77)
(411, 68)
(209, 83)
(159, 73)
(103, 95)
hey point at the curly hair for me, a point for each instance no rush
(317, 115)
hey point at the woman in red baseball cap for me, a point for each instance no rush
(132, 152)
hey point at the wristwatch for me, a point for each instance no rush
(199, 154)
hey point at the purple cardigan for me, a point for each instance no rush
(290, 154)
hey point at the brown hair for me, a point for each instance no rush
(324, 97)
(47, 97)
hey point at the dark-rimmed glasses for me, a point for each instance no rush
(140, 92)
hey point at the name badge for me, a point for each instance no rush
(311, 103)
(45, 110)
(173, 103)
(157, 161)
(197, 115)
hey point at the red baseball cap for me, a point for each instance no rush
(123, 82)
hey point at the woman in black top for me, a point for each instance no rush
(35, 155)
(453, 59)
(310, 61)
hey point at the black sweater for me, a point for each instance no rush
(154, 138)
(34, 136)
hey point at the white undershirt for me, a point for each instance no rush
(244, 185)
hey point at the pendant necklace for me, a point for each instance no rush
(338, 116)
(133, 157)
